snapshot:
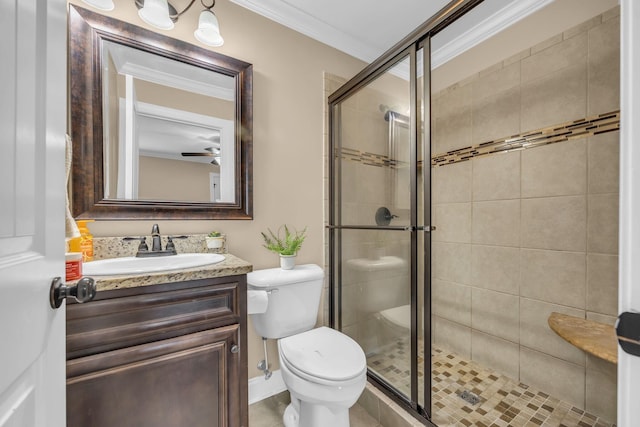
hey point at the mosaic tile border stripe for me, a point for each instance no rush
(369, 159)
(583, 128)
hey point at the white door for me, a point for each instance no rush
(629, 366)
(32, 184)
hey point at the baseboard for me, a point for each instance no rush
(260, 388)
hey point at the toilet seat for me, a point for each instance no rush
(323, 355)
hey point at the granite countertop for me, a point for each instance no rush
(231, 266)
(595, 338)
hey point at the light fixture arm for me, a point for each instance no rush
(213, 3)
(179, 14)
(173, 12)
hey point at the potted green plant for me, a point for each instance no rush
(286, 246)
(215, 240)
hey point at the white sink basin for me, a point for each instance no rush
(133, 265)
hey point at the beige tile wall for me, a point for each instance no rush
(522, 234)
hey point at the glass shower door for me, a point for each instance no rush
(374, 209)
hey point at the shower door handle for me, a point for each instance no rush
(423, 228)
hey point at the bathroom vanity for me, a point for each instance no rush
(161, 349)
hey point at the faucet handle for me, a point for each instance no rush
(143, 242)
(171, 247)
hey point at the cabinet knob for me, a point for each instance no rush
(235, 349)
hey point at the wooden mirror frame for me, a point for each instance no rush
(87, 30)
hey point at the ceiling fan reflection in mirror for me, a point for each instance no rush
(208, 152)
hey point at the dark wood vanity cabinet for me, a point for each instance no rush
(161, 355)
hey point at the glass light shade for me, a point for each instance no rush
(208, 31)
(156, 13)
(101, 4)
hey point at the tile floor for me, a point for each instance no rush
(268, 413)
(503, 402)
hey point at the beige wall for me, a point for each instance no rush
(167, 179)
(288, 101)
(523, 234)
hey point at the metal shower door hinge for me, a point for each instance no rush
(628, 330)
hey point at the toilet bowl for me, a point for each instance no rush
(324, 370)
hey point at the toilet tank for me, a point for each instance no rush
(294, 298)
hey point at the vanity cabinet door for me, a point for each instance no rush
(191, 380)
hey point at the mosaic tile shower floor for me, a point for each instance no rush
(503, 402)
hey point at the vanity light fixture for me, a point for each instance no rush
(162, 15)
(156, 13)
(208, 31)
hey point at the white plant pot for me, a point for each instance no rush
(215, 242)
(287, 262)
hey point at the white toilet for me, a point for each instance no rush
(324, 370)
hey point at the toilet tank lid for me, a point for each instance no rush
(272, 277)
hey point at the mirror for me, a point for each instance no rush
(168, 135)
(160, 128)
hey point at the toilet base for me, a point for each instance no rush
(304, 414)
(291, 417)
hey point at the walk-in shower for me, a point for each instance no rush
(472, 195)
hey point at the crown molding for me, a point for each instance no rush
(304, 23)
(488, 27)
(171, 73)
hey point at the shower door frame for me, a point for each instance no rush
(409, 46)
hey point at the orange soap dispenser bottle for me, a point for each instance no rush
(86, 240)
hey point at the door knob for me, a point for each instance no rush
(83, 291)
(628, 331)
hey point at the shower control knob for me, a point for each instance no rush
(384, 216)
